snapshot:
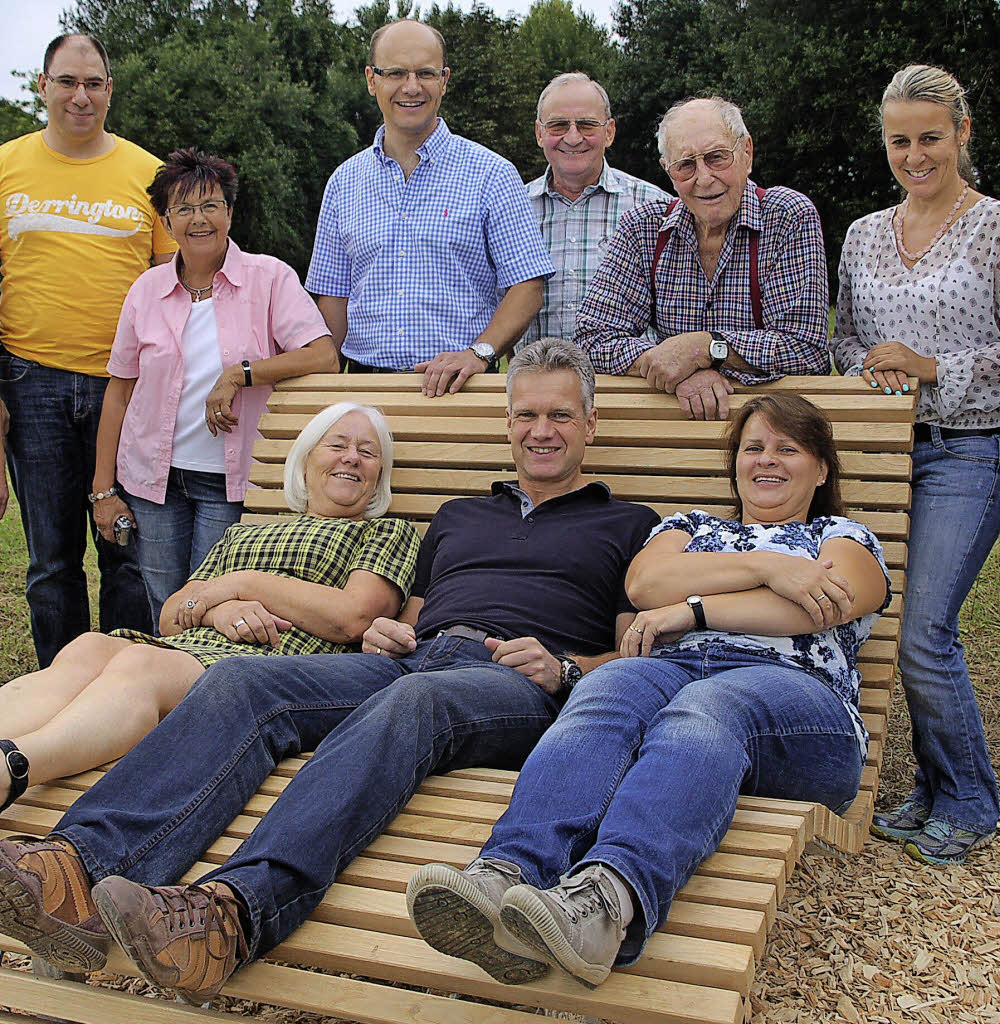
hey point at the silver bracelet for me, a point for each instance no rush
(101, 495)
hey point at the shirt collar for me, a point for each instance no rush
(232, 269)
(610, 180)
(595, 488)
(433, 146)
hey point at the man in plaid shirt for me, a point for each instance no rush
(740, 285)
(421, 234)
(579, 199)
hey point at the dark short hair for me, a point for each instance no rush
(808, 426)
(54, 46)
(379, 32)
(190, 170)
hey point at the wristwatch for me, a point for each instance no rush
(570, 673)
(718, 350)
(17, 765)
(694, 603)
(485, 351)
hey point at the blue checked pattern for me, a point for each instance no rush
(423, 261)
(577, 234)
(793, 283)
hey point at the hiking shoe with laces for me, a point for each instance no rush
(458, 913)
(942, 843)
(901, 823)
(45, 902)
(186, 938)
(576, 925)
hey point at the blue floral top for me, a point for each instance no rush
(830, 655)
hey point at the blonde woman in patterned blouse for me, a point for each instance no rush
(919, 296)
(311, 584)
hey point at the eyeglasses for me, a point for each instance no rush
(209, 209)
(71, 84)
(714, 160)
(584, 125)
(399, 75)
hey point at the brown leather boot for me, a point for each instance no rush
(45, 902)
(186, 938)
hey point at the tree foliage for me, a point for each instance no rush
(15, 121)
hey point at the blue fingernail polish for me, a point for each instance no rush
(874, 385)
(888, 391)
(900, 393)
(906, 387)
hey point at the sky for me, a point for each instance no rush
(26, 26)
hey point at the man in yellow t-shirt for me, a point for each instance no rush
(76, 229)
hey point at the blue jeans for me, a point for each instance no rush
(378, 728)
(174, 537)
(51, 449)
(954, 522)
(642, 769)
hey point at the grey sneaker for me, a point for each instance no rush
(901, 823)
(941, 843)
(576, 925)
(458, 913)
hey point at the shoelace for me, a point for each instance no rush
(205, 906)
(591, 891)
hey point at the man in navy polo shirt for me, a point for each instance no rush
(516, 596)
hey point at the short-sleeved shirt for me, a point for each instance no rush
(577, 233)
(423, 261)
(831, 654)
(310, 548)
(261, 309)
(74, 235)
(555, 571)
(946, 306)
(791, 269)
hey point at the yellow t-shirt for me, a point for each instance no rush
(74, 235)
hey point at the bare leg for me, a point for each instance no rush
(137, 688)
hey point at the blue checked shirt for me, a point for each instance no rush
(423, 261)
(791, 269)
(577, 234)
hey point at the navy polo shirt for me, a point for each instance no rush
(556, 573)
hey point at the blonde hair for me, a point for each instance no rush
(924, 83)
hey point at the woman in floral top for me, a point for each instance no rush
(740, 675)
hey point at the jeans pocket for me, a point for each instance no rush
(13, 368)
(974, 448)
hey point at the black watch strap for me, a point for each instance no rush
(247, 375)
(17, 766)
(694, 603)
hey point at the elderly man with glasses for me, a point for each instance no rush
(76, 229)
(427, 256)
(579, 199)
(731, 277)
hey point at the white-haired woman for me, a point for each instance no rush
(311, 584)
(919, 297)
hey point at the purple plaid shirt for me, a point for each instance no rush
(791, 269)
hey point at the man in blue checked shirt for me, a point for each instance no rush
(427, 254)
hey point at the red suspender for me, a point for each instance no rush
(755, 300)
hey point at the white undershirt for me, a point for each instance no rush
(194, 446)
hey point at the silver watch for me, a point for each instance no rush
(485, 351)
(718, 350)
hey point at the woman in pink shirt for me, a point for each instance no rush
(200, 342)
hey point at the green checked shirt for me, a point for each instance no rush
(311, 548)
(577, 235)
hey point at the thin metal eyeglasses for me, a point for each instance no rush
(209, 208)
(399, 75)
(584, 125)
(71, 84)
(714, 160)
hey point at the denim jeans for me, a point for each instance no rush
(174, 537)
(51, 450)
(642, 769)
(954, 522)
(377, 726)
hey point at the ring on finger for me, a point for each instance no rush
(238, 623)
(189, 604)
(378, 650)
(822, 597)
(636, 629)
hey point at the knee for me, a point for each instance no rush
(93, 650)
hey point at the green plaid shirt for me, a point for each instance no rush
(577, 235)
(310, 548)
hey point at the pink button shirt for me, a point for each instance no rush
(260, 309)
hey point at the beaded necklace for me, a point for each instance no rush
(900, 216)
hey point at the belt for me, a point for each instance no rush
(922, 432)
(465, 633)
(353, 366)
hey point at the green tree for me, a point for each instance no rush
(15, 121)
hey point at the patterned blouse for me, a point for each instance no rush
(310, 548)
(832, 654)
(947, 306)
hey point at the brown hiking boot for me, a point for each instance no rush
(186, 938)
(45, 902)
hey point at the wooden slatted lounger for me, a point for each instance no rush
(699, 967)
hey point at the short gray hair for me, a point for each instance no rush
(924, 83)
(565, 79)
(550, 354)
(313, 432)
(732, 118)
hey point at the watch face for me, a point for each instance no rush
(718, 350)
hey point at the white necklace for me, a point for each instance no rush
(196, 293)
(897, 226)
